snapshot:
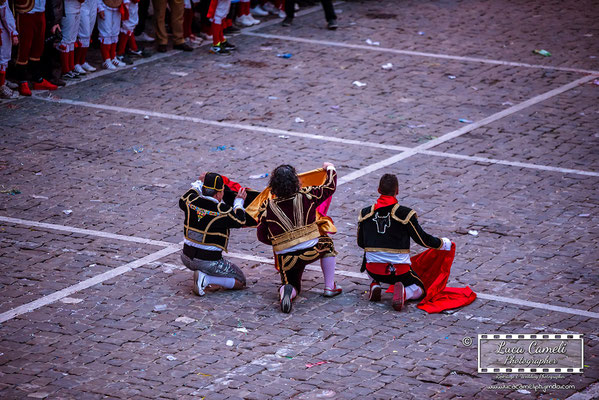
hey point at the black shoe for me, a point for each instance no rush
(126, 59)
(145, 53)
(219, 50)
(161, 48)
(231, 30)
(332, 25)
(70, 76)
(287, 21)
(286, 299)
(229, 46)
(183, 47)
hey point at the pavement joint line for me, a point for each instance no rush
(418, 53)
(275, 131)
(459, 132)
(90, 232)
(53, 297)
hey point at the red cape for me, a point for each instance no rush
(433, 267)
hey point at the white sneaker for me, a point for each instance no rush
(118, 63)
(108, 64)
(199, 283)
(206, 36)
(258, 11)
(282, 14)
(88, 67)
(244, 20)
(80, 69)
(144, 37)
(6, 93)
(253, 20)
(270, 8)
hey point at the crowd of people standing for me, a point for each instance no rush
(44, 43)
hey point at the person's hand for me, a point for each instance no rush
(446, 246)
(101, 14)
(325, 165)
(241, 194)
(55, 28)
(15, 40)
(203, 176)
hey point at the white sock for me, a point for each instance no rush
(227, 283)
(413, 292)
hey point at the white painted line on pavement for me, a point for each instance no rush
(418, 53)
(51, 298)
(254, 128)
(71, 229)
(459, 132)
(509, 163)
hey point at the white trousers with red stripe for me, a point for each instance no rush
(221, 11)
(69, 25)
(109, 26)
(89, 12)
(129, 25)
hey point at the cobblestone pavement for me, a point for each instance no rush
(86, 313)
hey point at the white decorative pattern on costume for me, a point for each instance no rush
(382, 222)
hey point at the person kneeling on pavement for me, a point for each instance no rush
(208, 221)
(384, 232)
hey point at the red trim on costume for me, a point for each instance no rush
(433, 268)
(385, 201)
(122, 44)
(383, 268)
(105, 50)
(212, 9)
(133, 43)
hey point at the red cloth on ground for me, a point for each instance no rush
(385, 201)
(433, 268)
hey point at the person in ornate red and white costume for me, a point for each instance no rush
(87, 20)
(126, 37)
(109, 27)
(70, 29)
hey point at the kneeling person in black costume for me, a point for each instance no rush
(384, 232)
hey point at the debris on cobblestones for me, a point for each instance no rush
(11, 191)
(523, 391)
(273, 98)
(70, 300)
(465, 121)
(67, 212)
(229, 343)
(315, 364)
(542, 52)
(584, 215)
(596, 82)
(335, 107)
(283, 136)
(421, 33)
(387, 66)
(259, 176)
(146, 117)
(299, 120)
(185, 320)
(222, 148)
(179, 73)
(284, 55)
(473, 232)
(507, 103)
(358, 83)
(159, 307)
(36, 196)
(201, 374)
(242, 330)
(171, 358)
(137, 149)
(451, 76)
(370, 42)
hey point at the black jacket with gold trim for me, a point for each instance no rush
(208, 222)
(389, 229)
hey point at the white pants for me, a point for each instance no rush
(222, 9)
(129, 25)
(69, 25)
(89, 12)
(5, 49)
(109, 26)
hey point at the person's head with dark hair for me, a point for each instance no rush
(388, 185)
(284, 181)
(213, 186)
